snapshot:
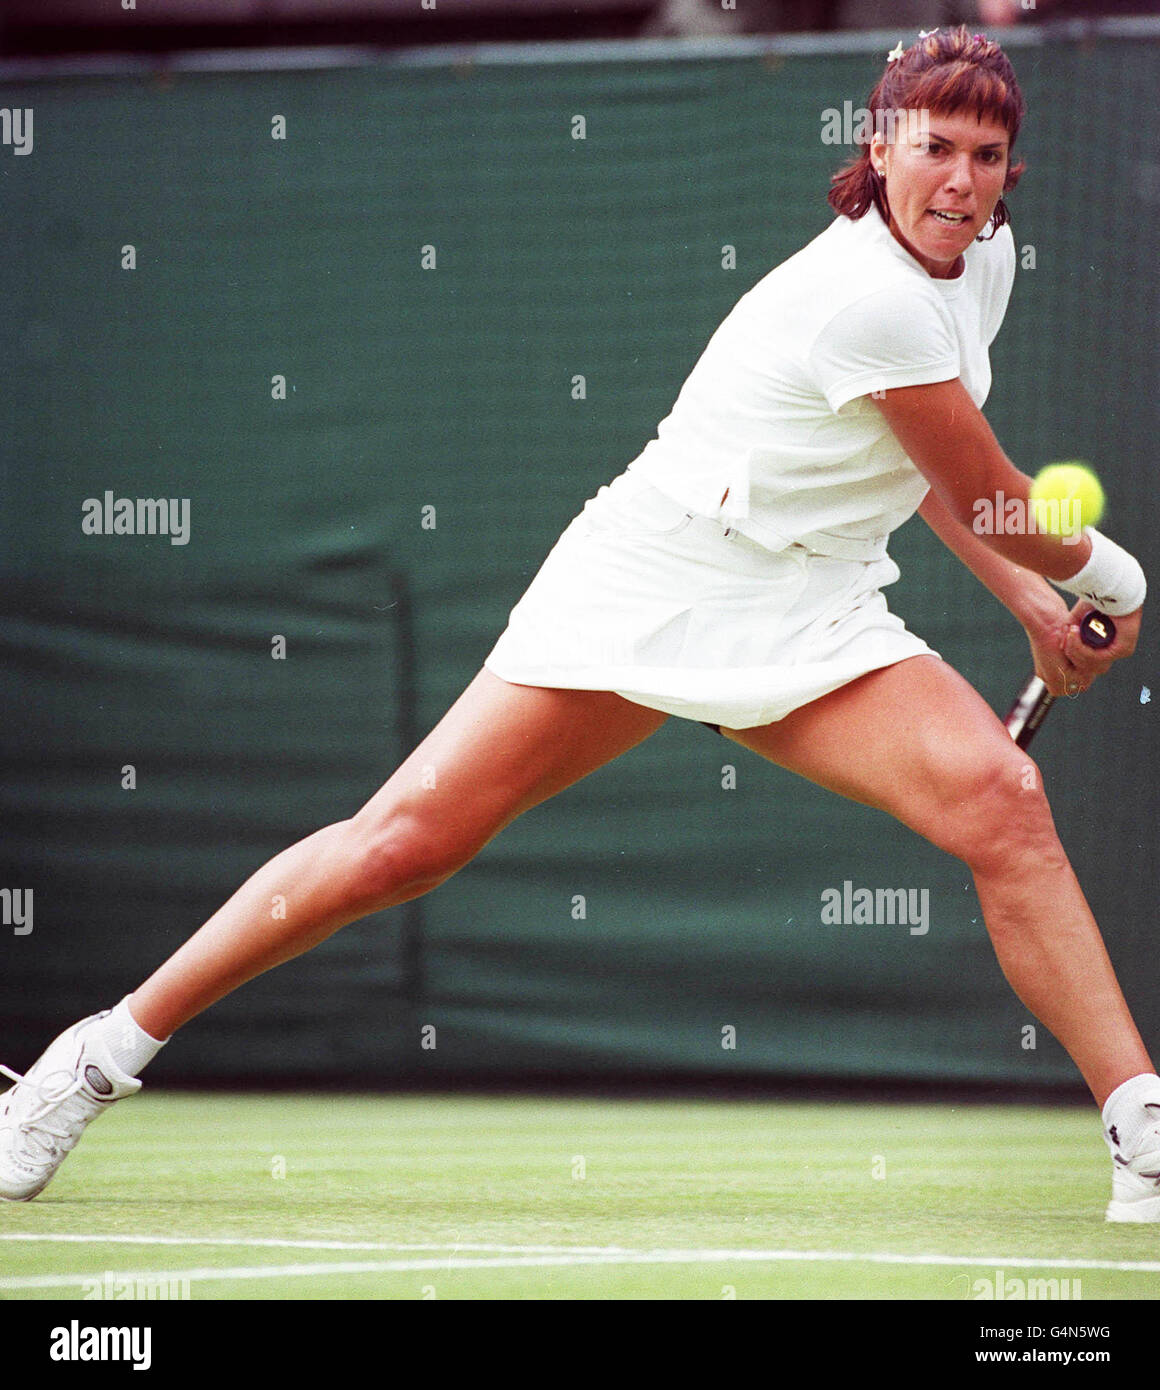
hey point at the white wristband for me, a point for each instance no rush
(1112, 580)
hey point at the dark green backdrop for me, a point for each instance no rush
(451, 388)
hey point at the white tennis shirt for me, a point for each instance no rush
(772, 432)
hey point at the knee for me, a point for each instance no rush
(996, 816)
(402, 856)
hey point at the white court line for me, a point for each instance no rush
(270, 1243)
(455, 1246)
(542, 1259)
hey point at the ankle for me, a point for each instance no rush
(1130, 1112)
(130, 1046)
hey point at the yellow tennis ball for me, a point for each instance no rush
(1066, 497)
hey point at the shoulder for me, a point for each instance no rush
(901, 322)
(847, 257)
(849, 273)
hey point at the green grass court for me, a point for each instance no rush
(367, 1197)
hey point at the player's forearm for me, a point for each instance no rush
(1026, 593)
(943, 431)
(1001, 520)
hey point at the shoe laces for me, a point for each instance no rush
(61, 1110)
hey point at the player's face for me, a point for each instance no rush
(944, 175)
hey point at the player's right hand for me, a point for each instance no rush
(1083, 663)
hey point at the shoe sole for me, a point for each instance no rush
(1146, 1209)
(26, 1196)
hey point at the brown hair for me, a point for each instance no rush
(946, 73)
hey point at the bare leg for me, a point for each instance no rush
(498, 751)
(917, 741)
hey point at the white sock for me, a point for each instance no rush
(130, 1047)
(1131, 1110)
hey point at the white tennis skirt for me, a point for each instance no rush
(668, 609)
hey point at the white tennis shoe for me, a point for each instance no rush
(1136, 1180)
(45, 1113)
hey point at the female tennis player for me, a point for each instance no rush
(733, 574)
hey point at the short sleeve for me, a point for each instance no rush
(889, 338)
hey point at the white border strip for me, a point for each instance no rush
(847, 42)
(568, 51)
(524, 1257)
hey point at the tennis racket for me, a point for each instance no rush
(1033, 702)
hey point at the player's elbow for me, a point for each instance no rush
(983, 500)
(965, 506)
